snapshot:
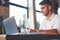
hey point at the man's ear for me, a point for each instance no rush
(50, 7)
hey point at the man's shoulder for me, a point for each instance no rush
(57, 16)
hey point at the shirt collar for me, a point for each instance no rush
(51, 17)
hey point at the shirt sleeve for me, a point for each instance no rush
(57, 24)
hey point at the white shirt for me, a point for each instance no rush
(52, 23)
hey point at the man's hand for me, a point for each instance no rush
(31, 30)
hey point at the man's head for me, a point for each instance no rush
(46, 7)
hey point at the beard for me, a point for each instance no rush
(45, 14)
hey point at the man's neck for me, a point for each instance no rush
(49, 15)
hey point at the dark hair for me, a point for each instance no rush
(45, 2)
(55, 6)
(53, 3)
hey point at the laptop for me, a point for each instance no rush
(10, 26)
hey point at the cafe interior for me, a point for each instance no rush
(22, 18)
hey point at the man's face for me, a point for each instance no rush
(45, 9)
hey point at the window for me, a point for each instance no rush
(18, 8)
(58, 7)
(59, 10)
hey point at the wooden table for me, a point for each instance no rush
(3, 37)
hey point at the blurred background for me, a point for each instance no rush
(28, 10)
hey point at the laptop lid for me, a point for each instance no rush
(10, 25)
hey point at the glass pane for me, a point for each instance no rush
(20, 2)
(59, 11)
(18, 12)
(37, 4)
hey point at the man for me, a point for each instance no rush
(51, 25)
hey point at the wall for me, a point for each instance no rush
(4, 11)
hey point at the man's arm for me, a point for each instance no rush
(52, 31)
